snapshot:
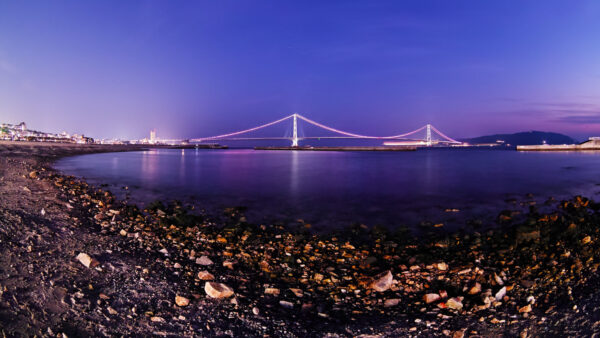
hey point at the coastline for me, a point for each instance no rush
(143, 266)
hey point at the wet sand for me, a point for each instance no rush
(537, 277)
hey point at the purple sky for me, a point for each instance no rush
(199, 68)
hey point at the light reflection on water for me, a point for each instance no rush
(333, 189)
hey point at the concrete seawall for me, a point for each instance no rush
(591, 144)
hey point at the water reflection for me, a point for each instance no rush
(338, 188)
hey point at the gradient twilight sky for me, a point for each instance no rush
(199, 68)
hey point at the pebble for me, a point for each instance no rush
(181, 301)
(501, 293)
(204, 261)
(86, 260)
(382, 282)
(217, 290)
(205, 275)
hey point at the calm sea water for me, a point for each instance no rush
(336, 189)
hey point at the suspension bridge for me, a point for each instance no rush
(430, 135)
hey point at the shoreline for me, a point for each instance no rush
(338, 282)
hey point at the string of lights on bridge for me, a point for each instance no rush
(235, 136)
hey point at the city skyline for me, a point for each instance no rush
(189, 70)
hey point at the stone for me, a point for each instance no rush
(204, 261)
(217, 290)
(501, 293)
(297, 292)
(525, 309)
(431, 297)
(111, 311)
(286, 304)
(86, 260)
(382, 281)
(157, 319)
(181, 301)
(498, 280)
(205, 275)
(586, 240)
(459, 333)
(272, 291)
(442, 266)
(454, 303)
(475, 289)
(391, 302)
(33, 174)
(255, 310)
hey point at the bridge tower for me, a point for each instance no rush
(295, 133)
(428, 140)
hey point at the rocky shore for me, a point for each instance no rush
(78, 262)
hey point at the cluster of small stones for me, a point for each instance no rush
(524, 270)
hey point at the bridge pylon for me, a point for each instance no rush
(295, 132)
(428, 140)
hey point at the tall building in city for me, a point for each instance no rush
(153, 136)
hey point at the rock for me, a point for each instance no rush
(157, 319)
(525, 309)
(43, 212)
(454, 303)
(181, 301)
(272, 291)
(442, 266)
(586, 240)
(431, 297)
(297, 292)
(391, 302)
(382, 281)
(26, 189)
(217, 290)
(123, 233)
(526, 236)
(459, 333)
(498, 280)
(228, 264)
(204, 261)
(255, 310)
(501, 293)
(111, 311)
(86, 260)
(286, 304)
(205, 275)
(33, 174)
(475, 289)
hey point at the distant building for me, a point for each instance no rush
(153, 136)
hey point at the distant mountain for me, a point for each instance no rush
(524, 138)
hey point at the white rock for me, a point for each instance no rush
(86, 260)
(217, 290)
(500, 294)
(382, 281)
